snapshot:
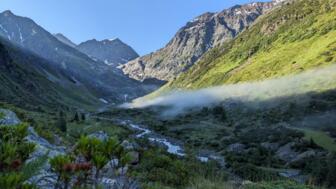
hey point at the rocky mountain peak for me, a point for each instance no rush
(193, 40)
(7, 13)
(65, 40)
(111, 51)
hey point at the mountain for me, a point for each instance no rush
(110, 51)
(28, 81)
(299, 36)
(65, 40)
(194, 39)
(100, 79)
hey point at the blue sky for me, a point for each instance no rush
(146, 25)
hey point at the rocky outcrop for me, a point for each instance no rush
(193, 40)
(101, 135)
(46, 179)
(9, 118)
(286, 152)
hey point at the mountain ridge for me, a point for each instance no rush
(102, 80)
(194, 39)
(289, 40)
(28, 81)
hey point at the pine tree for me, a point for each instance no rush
(83, 117)
(61, 122)
(76, 118)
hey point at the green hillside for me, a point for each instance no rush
(299, 36)
(27, 81)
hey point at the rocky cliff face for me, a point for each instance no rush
(193, 40)
(111, 51)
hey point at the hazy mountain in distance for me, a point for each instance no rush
(110, 51)
(102, 80)
(29, 81)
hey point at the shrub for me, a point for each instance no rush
(14, 151)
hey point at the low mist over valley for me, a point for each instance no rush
(137, 95)
(252, 94)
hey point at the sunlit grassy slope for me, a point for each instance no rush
(321, 138)
(296, 37)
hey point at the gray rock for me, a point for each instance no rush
(294, 175)
(130, 145)
(119, 183)
(45, 178)
(9, 118)
(237, 148)
(286, 153)
(304, 155)
(101, 135)
(289, 173)
(270, 146)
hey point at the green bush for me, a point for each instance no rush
(14, 151)
(277, 185)
(159, 168)
(2, 115)
(87, 172)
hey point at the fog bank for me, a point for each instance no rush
(249, 92)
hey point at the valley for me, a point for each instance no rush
(242, 98)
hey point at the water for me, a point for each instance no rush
(172, 147)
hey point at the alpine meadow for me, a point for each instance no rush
(243, 97)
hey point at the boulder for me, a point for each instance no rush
(236, 148)
(286, 153)
(270, 146)
(305, 155)
(118, 183)
(101, 135)
(9, 118)
(130, 145)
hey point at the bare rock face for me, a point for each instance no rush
(193, 40)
